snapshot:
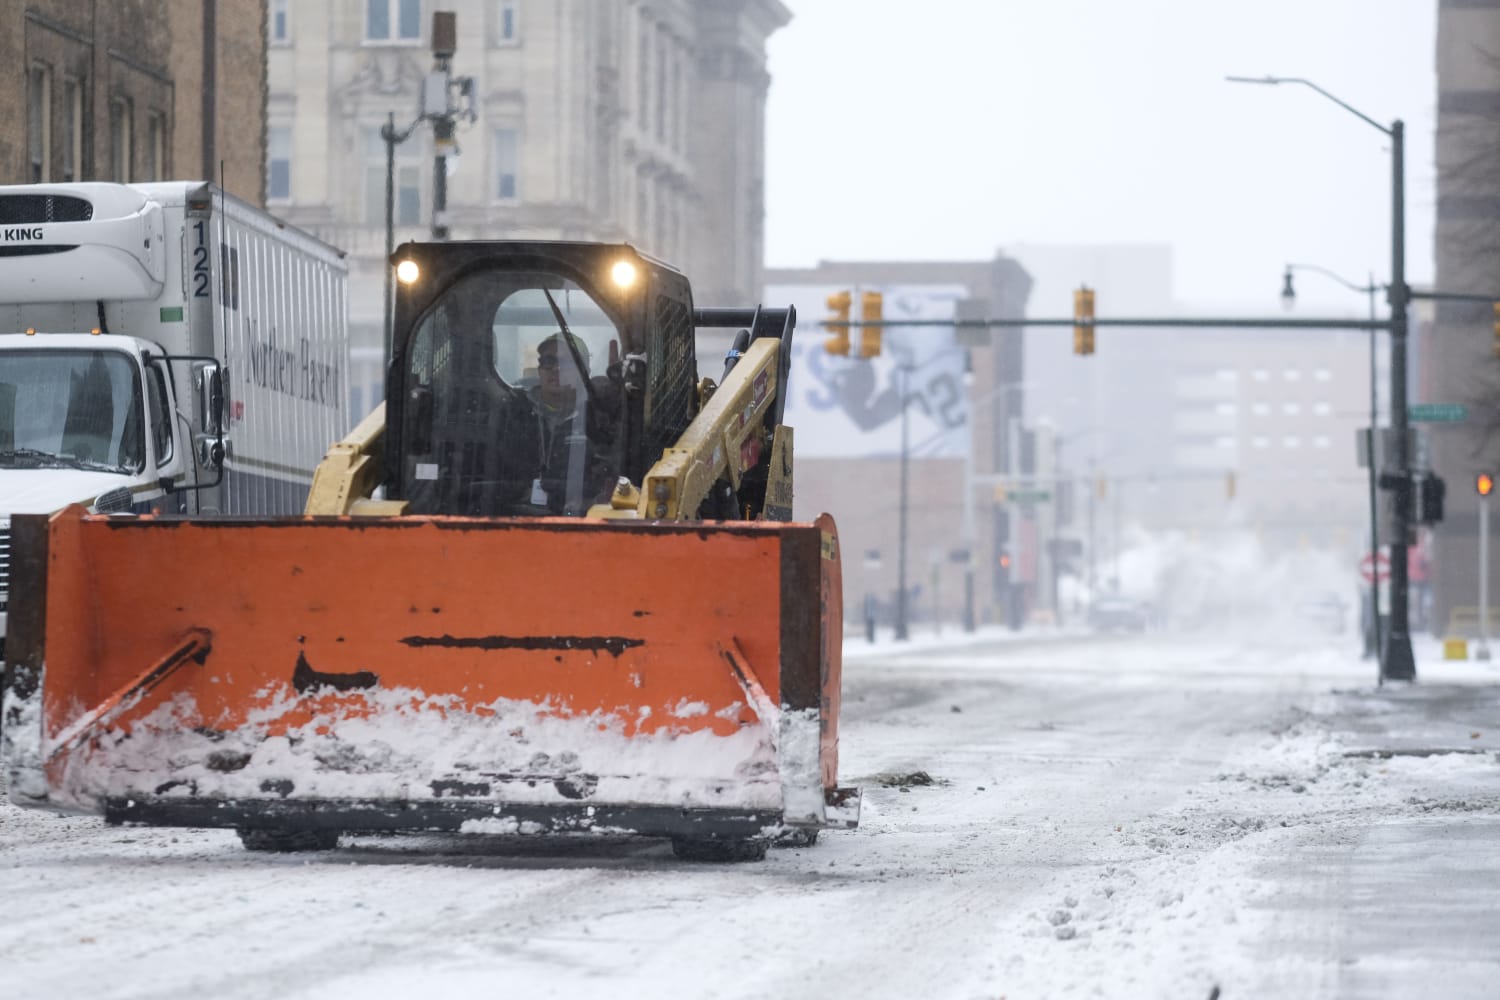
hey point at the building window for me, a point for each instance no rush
(72, 129)
(1291, 374)
(505, 23)
(1322, 374)
(281, 26)
(156, 146)
(407, 207)
(663, 54)
(1225, 409)
(643, 78)
(279, 163)
(39, 123)
(393, 20)
(1260, 409)
(1291, 409)
(1260, 375)
(1260, 441)
(120, 110)
(1291, 441)
(1322, 409)
(1227, 375)
(1322, 441)
(507, 162)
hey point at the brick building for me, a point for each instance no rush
(134, 90)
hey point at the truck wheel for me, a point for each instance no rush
(708, 849)
(286, 841)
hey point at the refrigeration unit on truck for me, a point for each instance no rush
(164, 348)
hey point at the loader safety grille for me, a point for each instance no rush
(674, 375)
(4, 567)
(25, 209)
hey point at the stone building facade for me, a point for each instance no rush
(1456, 358)
(134, 90)
(633, 120)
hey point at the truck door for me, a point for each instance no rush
(169, 436)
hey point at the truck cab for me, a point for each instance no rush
(87, 418)
(123, 310)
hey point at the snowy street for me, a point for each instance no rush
(1044, 816)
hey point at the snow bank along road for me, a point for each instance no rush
(1137, 818)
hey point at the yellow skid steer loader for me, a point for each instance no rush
(552, 585)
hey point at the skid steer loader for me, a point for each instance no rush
(550, 586)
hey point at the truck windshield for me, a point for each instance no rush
(512, 399)
(76, 409)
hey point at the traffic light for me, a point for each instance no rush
(1083, 320)
(870, 307)
(838, 324)
(1484, 484)
(1497, 329)
(1430, 493)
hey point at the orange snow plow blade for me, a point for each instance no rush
(428, 673)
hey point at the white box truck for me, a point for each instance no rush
(164, 348)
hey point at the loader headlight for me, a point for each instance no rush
(623, 273)
(407, 271)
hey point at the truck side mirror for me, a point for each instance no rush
(209, 381)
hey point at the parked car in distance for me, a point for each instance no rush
(1118, 614)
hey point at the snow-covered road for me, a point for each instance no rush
(1145, 817)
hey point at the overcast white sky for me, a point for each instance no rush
(946, 129)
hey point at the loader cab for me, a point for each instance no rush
(527, 378)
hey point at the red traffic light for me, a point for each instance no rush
(1484, 483)
(1005, 560)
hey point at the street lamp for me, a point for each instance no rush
(903, 380)
(1288, 299)
(1397, 663)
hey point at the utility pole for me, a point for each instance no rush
(445, 99)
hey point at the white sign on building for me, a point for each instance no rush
(850, 407)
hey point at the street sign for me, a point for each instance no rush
(1371, 570)
(1438, 413)
(1013, 495)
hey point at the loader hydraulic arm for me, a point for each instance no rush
(350, 471)
(725, 438)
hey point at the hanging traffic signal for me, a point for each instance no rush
(1484, 484)
(1083, 320)
(871, 305)
(837, 323)
(1431, 491)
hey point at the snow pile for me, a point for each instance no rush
(402, 745)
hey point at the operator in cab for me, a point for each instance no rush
(579, 412)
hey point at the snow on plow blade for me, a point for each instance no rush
(428, 673)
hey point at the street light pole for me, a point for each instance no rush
(901, 630)
(1397, 663)
(392, 137)
(1289, 296)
